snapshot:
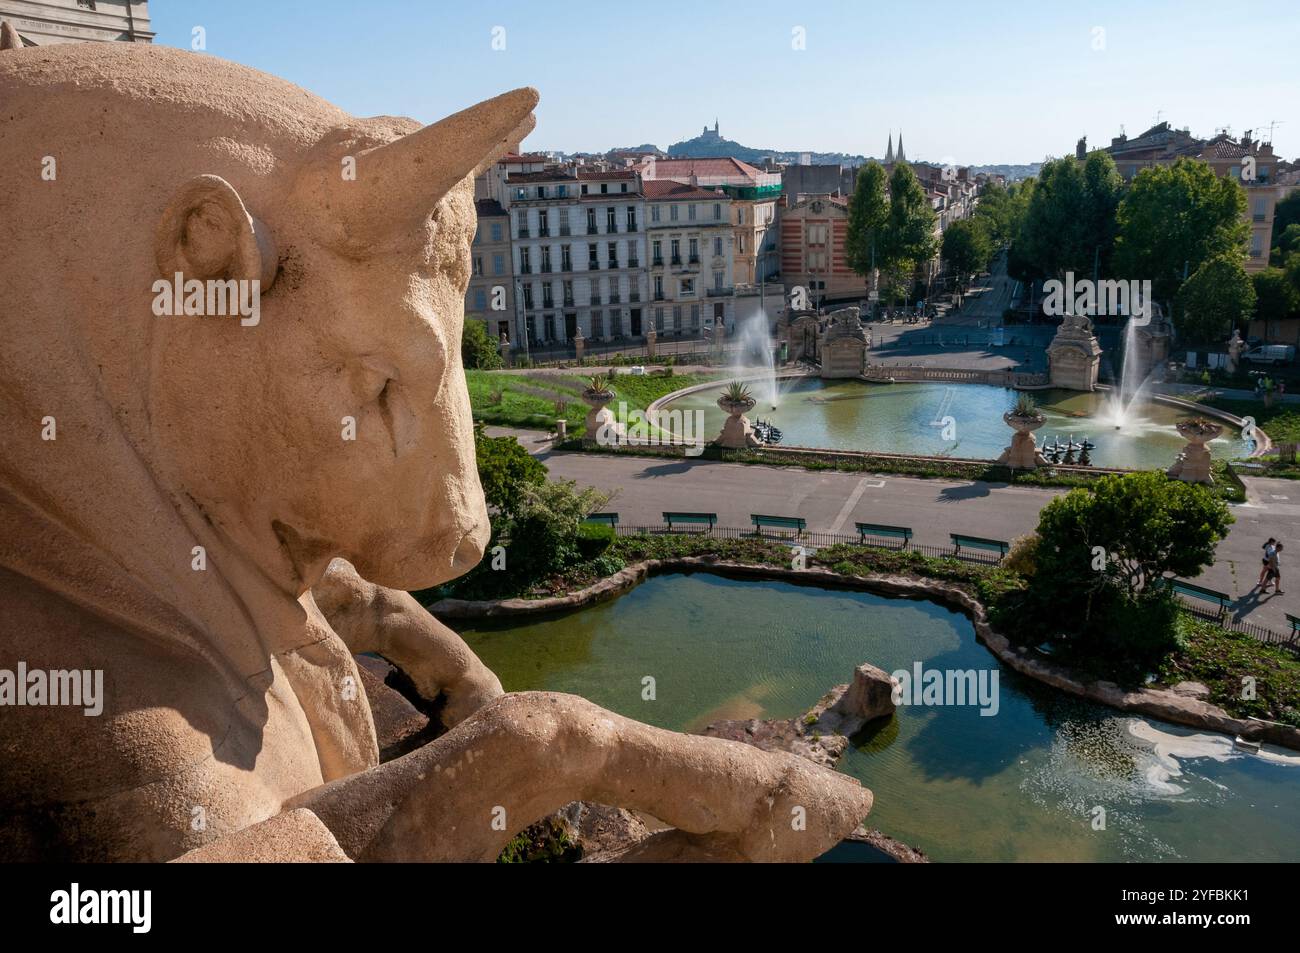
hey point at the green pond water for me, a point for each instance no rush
(910, 418)
(1019, 785)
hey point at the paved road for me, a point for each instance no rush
(832, 501)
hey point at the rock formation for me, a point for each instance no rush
(232, 323)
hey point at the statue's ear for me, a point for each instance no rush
(206, 233)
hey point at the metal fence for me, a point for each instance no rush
(1259, 633)
(811, 541)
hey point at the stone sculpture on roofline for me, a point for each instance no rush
(217, 513)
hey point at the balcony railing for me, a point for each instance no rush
(694, 260)
(526, 269)
(677, 259)
(634, 263)
(659, 296)
(564, 230)
(523, 233)
(634, 297)
(595, 297)
(614, 298)
(592, 230)
(657, 261)
(544, 232)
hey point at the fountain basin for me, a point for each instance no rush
(964, 421)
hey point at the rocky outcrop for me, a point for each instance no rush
(294, 837)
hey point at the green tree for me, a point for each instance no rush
(1100, 556)
(868, 211)
(1070, 221)
(505, 469)
(1286, 214)
(1276, 297)
(1285, 242)
(1178, 217)
(1217, 296)
(1002, 210)
(907, 237)
(477, 349)
(967, 247)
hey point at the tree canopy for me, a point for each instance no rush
(1178, 217)
(1070, 223)
(1217, 296)
(868, 211)
(967, 247)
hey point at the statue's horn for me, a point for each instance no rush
(408, 176)
(9, 38)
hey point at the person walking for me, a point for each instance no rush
(1274, 571)
(1268, 554)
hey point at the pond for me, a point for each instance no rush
(1021, 785)
(911, 418)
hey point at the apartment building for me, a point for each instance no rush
(690, 234)
(1246, 159)
(490, 297)
(577, 249)
(754, 197)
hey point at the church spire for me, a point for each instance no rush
(889, 153)
(902, 156)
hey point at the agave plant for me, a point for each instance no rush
(1026, 406)
(599, 384)
(737, 393)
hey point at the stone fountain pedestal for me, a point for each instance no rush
(1193, 464)
(737, 431)
(844, 345)
(1074, 355)
(1023, 453)
(603, 428)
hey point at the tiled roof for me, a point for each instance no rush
(722, 165)
(1221, 147)
(660, 189)
(511, 157)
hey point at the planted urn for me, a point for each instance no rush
(736, 399)
(601, 426)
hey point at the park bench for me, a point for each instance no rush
(691, 519)
(609, 519)
(1193, 591)
(978, 542)
(796, 523)
(1295, 624)
(881, 529)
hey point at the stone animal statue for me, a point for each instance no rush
(215, 512)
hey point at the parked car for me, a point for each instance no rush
(1271, 354)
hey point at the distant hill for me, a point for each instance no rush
(704, 146)
(1012, 172)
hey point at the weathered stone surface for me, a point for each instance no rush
(294, 837)
(869, 696)
(397, 721)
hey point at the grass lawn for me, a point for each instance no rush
(530, 399)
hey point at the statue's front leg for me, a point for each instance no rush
(389, 622)
(522, 757)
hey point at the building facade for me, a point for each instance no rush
(490, 297)
(1251, 162)
(754, 198)
(46, 22)
(691, 281)
(813, 235)
(578, 252)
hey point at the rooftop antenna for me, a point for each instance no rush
(1273, 123)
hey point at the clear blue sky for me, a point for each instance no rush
(998, 81)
